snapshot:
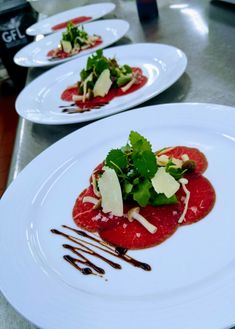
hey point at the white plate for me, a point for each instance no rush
(191, 284)
(94, 10)
(40, 101)
(35, 54)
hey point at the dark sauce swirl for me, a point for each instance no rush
(84, 248)
(73, 108)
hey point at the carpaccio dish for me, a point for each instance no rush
(73, 41)
(137, 199)
(100, 81)
(75, 21)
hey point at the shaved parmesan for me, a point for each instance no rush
(90, 199)
(103, 84)
(163, 182)
(111, 193)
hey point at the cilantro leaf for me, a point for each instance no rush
(145, 164)
(116, 159)
(142, 193)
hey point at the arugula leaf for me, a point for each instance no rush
(142, 193)
(75, 34)
(123, 79)
(92, 60)
(101, 65)
(160, 199)
(127, 187)
(127, 68)
(116, 159)
(145, 163)
(177, 173)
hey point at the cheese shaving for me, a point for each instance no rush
(134, 214)
(90, 199)
(183, 182)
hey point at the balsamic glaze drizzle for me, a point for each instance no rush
(102, 245)
(73, 108)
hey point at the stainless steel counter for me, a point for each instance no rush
(203, 29)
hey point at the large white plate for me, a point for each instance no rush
(40, 101)
(94, 10)
(191, 284)
(35, 54)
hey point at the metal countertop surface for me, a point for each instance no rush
(203, 29)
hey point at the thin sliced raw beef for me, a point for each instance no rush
(88, 218)
(202, 198)
(71, 91)
(75, 21)
(132, 235)
(193, 154)
(81, 206)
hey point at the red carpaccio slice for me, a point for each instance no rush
(75, 21)
(132, 235)
(68, 93)
(201, 201)
(88, 218)
(60, 54)
(118, 231)
(193, 154)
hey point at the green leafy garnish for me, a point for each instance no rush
(97, 63)
(116, 159)
(75, 35)
(142, 192)
(135, 165)
(145, 163)
(177, 173)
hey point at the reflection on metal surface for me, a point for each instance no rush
(20, 144)
(179, 6)
(197, 20)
